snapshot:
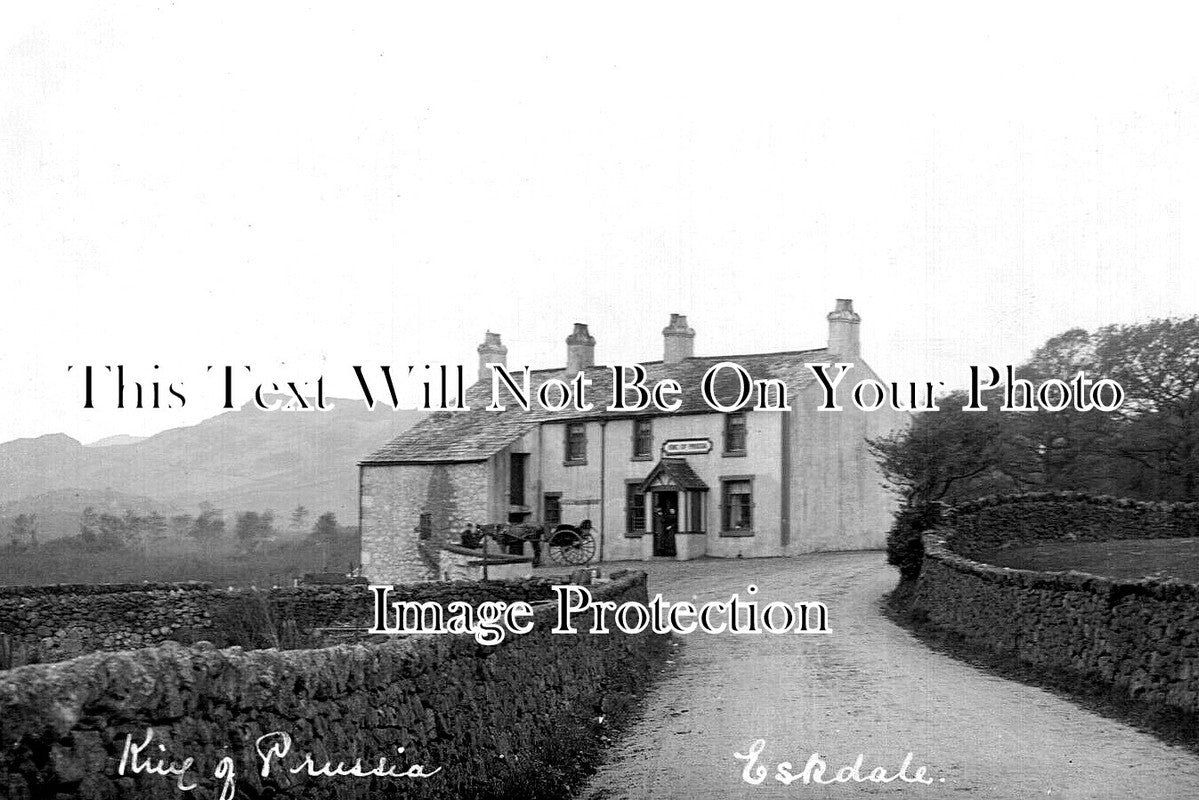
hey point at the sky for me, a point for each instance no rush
(304, 189)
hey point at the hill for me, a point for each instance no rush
(116, 441)
(239, 460)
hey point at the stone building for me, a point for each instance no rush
(742, 483)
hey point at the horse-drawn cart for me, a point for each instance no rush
(568, 545)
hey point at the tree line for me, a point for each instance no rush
(105, 531)
(1147, 449)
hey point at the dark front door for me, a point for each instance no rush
(666, 522)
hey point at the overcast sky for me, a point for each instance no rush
(305, 189)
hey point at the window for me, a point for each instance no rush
(737, 505)
(516, 478)
(553, 509)
(734, 434)
(634, 508)
(576, 443)
(643, 439)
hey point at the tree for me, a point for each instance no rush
(134, 529)
(1157, 363)
(299, 519)
(23, 532)
(210, 524)
(1071, 448)
(1147, 448)
(113, 532)
(252, 526)
(326, 529)
(948, 454)
(156, 526)
(183, 525)
(89, 527)
(24, 529)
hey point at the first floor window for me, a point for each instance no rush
(643, 438)
(734, 433)
(737, 505)
(634, 508)
(576, 442)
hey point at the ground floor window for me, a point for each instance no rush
(553, 508)
(634, 508)
(696, 500)
(737, 504)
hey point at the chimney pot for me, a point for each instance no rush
(844, 330)
(492, 351)
(678, 340)
(580, 349)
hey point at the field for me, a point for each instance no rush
(225, 566)
(1135, 558)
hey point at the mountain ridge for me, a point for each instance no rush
(239, 460)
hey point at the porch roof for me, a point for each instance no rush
(676, 471)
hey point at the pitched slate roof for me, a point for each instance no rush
(477, 434)
(679, 472)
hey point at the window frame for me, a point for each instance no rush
(725, 482)
(630, 528)
(695, 521)
(648, 455)
(727, 450)
(546, 497)
(578, 460)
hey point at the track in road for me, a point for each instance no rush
(866, 687)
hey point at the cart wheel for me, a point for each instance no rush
(572, 546)
(583, 551)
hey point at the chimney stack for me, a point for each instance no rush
(843, 330)
(580, 349)
(492, 351)
(678, 341)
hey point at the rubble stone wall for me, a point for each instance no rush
(40, 624)
(488, 718)
(1140, 636)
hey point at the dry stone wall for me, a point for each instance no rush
(1014, 520)
(1140, 636)
(51, 623)
(487, 717)
(40, 624)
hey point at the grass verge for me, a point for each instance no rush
(1169, 724)
(1117, 558)
(559, 769)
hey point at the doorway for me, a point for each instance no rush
(666, 522)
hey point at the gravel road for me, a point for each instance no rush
(865, 687)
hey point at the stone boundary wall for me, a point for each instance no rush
(1140, 636)
(485, 715)
(1014, 520)
(40, 624)
(50, 623)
